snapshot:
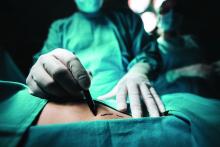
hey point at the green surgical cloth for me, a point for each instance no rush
(18, 109)
(107, 45)
(192, 121)
(201, 113)
(114, 133)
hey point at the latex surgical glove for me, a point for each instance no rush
(58, 74)
(196, 70)
(216, 67)
(135, 86)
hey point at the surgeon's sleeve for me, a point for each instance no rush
(144, 47)
(54, 39)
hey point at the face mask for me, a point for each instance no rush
(89, 6)
(170, 21)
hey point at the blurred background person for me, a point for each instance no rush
(189, 48)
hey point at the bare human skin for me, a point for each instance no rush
(56, 113)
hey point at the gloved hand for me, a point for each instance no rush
(199, 70)
(216, 67)
(58, 74)
(135, 85)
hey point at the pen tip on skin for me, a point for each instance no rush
(94, 110)
(90, 102)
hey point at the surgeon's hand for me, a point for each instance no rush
(58, 74)
(199, 70)
(135, 85)
(216, 67)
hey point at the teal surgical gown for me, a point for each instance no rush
(192, 121)
(107, 44)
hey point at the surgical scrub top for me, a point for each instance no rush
(192, 121)
(107, 44)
